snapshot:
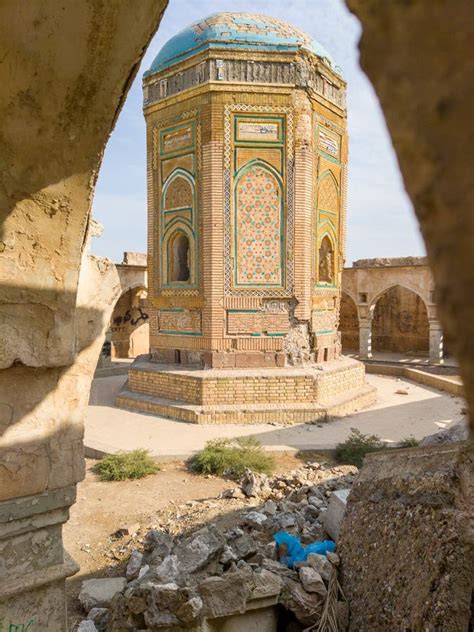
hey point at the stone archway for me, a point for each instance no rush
(128, 330)
(400, 322)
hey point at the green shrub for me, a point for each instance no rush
(356, 446)
(408, 442)
(230, 457)
(124, 465)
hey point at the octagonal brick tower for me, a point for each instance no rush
(247, 174)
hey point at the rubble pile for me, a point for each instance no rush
(178, 582)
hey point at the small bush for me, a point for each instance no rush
(126, 465)
(356, 446)
(408, 442)
(230, 457)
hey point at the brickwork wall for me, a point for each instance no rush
(233, 389)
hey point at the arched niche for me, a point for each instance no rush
(326, 261)
(178, 258)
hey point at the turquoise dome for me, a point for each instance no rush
(246, 31)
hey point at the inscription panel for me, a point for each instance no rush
(247, 322)
(182, 321)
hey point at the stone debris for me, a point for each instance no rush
(86, 626)
(99, 592)
(401, 391)
(312, 581)
(458, 432)
(183, 577)
(134, 565)
(332, 520)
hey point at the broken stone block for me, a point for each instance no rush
(199, 549)
(255, 519)
(265, 584)
(134, 565)
(99, 592)
(254, 485)
(86, 626)
(191, 610)
(243, 547)
(270, 550)
(227, 555)
(270, 508)
(312, 581)
(225, 595)
(306, 607)
(97, 614)
(316, 502)
(167, 572)
(159, 545)
(321, 565)
(332, 520)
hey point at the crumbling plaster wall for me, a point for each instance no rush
(418, 57)
(65, 72)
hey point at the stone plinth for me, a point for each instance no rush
(213, 396)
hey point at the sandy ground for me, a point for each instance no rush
(421, 412)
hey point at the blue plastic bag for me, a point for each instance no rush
(296, 552)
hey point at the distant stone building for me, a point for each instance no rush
(247, 174)
(388, 305)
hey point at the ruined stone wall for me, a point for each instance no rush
(64, 76)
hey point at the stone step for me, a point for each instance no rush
(287, 413)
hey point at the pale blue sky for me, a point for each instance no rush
(381, 222)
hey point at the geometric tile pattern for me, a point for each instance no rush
(328, 195)
(179, 194)
(285, 289)
(258, 228)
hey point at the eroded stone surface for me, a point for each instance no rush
(405, 546)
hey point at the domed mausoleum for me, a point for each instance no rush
(247, 179)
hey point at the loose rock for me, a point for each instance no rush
(99, 592)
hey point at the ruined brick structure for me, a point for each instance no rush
(247, 161)
(388, 304)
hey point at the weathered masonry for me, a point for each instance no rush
(389, 305)
(247, 172)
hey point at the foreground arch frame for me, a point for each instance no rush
(60, 98)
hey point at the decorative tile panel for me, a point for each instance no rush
(233, 261)
(182, 321)
(258, 226)
(255, 322)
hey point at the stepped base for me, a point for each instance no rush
(283, 396)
